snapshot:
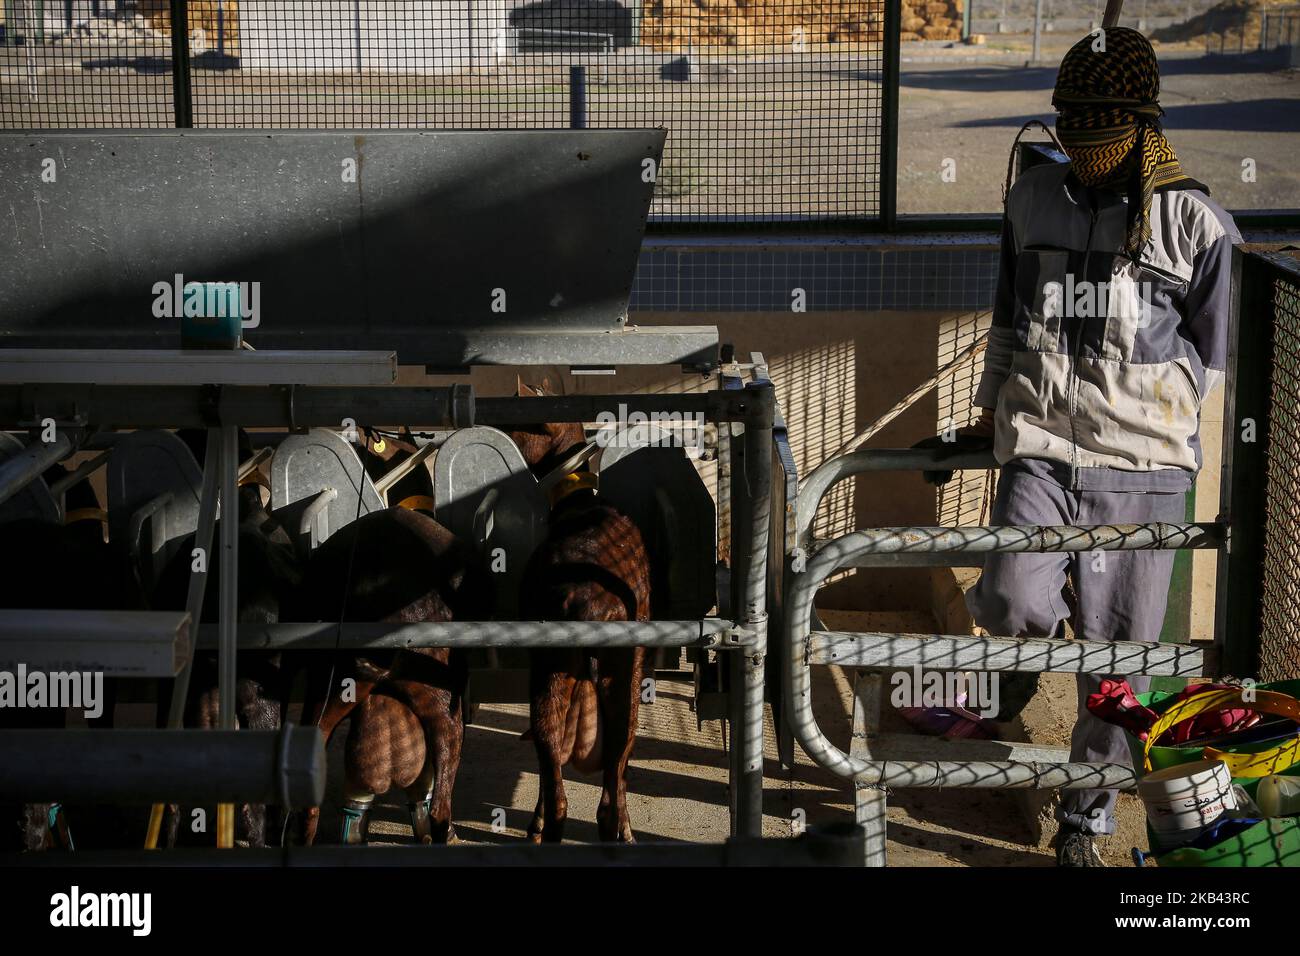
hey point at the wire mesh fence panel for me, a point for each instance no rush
(1280, 604)
(85, 64)
(774, 106)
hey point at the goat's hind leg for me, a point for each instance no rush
(619, 692)
(551, 695)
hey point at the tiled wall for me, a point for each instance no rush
(685, 278)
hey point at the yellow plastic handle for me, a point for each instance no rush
(1261, 764)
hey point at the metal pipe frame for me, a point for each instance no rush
(751, 526)
(199, 579)
(965, 652)
(29, 464)
(285, 767)
(990, 774)
(709, 633)
(80, 473)
(864, 546)
(829, 473)
(223, 409)
(227, 646)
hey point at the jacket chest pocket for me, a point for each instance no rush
(1141, 298)
(1040, 294)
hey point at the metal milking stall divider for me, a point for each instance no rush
(120, 378)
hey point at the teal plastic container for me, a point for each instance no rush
(219, 322)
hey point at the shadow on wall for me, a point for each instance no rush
(835, 373)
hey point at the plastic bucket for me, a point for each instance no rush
(1183, 800)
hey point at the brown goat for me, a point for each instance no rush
(395, 565)
(583, 704)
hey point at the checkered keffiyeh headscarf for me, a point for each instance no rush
(1106, 92)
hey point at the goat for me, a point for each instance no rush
(583, 704)
(407, 727)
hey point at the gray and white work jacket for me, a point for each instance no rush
(1096, 365)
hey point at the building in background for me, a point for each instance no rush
(415, 36)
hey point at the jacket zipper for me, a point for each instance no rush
(1074, 356)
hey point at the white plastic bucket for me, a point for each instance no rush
(1184, 800)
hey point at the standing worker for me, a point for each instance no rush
(1109, 329)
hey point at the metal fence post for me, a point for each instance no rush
(182, 94)
(356, 31)
(889, 79)
(577, 97)
(1038, 29)
(752, 524)
(1246, 415)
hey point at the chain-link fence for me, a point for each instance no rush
(775, 110)
(1260, 580)
(1280, 604)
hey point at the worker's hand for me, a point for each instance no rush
(975, 437)
(982, 427)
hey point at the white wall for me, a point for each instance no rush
(417, 36)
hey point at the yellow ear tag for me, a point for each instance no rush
(380, 446)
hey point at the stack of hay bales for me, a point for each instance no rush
(203, 22)
(931, 20)
(759, 23)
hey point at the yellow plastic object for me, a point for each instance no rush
(418, 503)
(155, 827)
(574, 481)
(1261, 764)
(225, 825)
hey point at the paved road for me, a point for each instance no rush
(1217, 114)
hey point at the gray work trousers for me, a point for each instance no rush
(1121, 597)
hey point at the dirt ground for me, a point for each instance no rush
(678, 786)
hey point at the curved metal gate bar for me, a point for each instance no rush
(883, 760)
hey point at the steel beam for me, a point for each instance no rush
(112, 643)
(717, 406)
(143, 367)
(201, 406)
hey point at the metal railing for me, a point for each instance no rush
(875, 761)
(1257, 611)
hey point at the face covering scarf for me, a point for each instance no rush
(1106, 92)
